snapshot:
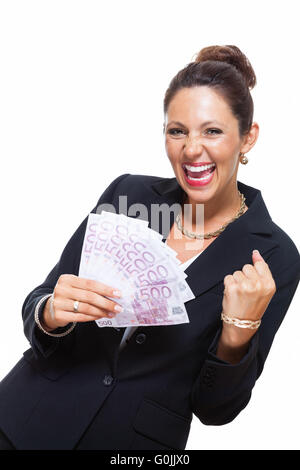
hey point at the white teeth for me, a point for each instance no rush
(199, 179)
(198, 169)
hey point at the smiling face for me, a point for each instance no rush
(201, 128)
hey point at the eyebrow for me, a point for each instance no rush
(203, 124)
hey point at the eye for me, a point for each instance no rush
(214, 131)
(175, 131)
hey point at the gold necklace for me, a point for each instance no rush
(217, 232)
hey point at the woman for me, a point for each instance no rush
(84, 387)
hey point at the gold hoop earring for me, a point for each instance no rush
(243, 159)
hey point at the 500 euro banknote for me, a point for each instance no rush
(124, 253)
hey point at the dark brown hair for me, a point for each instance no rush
(229, 72)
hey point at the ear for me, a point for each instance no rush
(250, 139)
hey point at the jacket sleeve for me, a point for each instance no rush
(222, 390)
(68, 263)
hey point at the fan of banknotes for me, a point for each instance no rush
(126, 254)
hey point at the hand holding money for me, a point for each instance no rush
(91, 295)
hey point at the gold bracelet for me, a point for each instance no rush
(252, 325)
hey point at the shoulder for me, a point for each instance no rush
(284, 239)
(287, 246)
(135, 185)
(283, 253)
(286, 257)
(135, 188)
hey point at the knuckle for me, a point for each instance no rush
(250, 287)
(110, 305)
(232, 287)
(247, 266)
(92, 310)
(86, 296)
(258, 285)
(93, 298)
(60, 279)
(63, 278)
(270, 287)
(244, 286)
(88, 283)
(97, 300)
(237, 275)
(105, 290)
(88, 309)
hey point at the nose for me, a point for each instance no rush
(193, 147)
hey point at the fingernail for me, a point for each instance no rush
(117, 293)
(256, 251)
(118, 308)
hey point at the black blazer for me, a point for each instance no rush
(80, 392)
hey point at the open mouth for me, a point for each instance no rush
(199, 173)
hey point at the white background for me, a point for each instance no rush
(81, 102)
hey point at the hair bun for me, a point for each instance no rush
(233, 56)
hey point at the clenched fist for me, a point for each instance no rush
(248, 293)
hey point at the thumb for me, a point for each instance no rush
(256, 256)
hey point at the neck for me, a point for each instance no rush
(215, 212)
